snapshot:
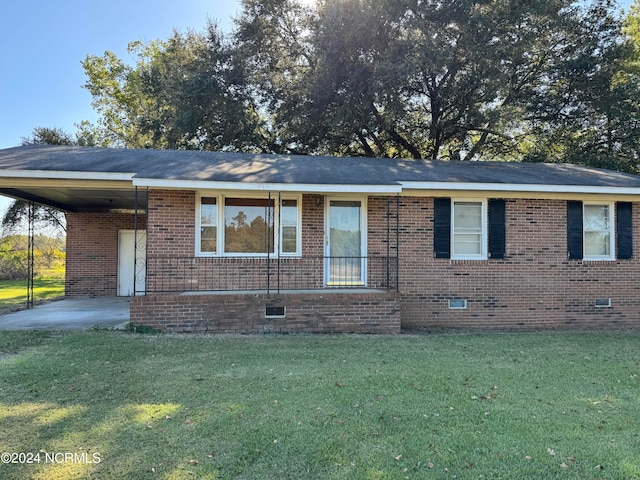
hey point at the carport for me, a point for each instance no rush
(82, 181)
(71, 313)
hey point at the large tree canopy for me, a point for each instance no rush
(185, 92)
(547, 80)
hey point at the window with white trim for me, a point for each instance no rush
(289, 229)
(246, 226)
(208, 224)
(598, 231)
(468, 229)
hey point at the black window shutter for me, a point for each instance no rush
(442, 227)
(574, 229)
(497, 229)
(624, 230)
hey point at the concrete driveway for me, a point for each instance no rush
(70, 313)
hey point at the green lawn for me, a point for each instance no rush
(13, 293)
(508, 406)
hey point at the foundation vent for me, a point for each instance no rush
(457, 304)
(274, 312)
(603, 302)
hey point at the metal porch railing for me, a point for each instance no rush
(197, 274)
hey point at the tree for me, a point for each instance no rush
(589, 112)
(552, 80)
(460, 79)
(183, 93)
(48, 136)
(48, 256)
(273, 42)
(17, 212)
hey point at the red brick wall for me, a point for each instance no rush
(313, 225)
(172, 227)
(233, 313)
(172, 223)
(92, 252)
(171, 246)
(535, 286)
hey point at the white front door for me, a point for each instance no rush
(345, 251)
(132, 259)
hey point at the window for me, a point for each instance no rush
(208, 225)
(468, 230)
(248, 225)
(237, 226)
(598, 232)
(289, 227)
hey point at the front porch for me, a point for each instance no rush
(296, 311)
(271, 275)
(337, 273)
(270, 295)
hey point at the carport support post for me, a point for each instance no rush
(139, 265)
(30, 253)
(135, 241)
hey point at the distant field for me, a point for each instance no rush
(13, 293)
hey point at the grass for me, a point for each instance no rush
(13, 293)
(509, 406)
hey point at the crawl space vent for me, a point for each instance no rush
(274, 312)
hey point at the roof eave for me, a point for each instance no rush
(273, 187)
(66, 175)
(520, 188)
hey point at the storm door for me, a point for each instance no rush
(345, 262)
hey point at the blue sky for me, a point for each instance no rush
(43, 43)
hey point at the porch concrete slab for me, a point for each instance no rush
(72, 313)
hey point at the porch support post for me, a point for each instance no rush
(277, 232)
(269, 223)
(135, 240)
(146, 237)
(388, 262)
(397, 243)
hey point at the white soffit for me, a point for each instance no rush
(65, 175)
(508, 187)
(273, 187)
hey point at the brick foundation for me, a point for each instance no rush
(374, 312)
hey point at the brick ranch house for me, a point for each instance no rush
(227, 242)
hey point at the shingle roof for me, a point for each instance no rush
(292, 169)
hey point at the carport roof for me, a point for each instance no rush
(84, 178)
